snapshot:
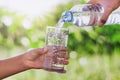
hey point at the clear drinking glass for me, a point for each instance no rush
(55, 37)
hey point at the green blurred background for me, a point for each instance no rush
(94, 52)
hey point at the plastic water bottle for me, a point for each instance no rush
(89, 15)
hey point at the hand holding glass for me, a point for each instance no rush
(56, 38)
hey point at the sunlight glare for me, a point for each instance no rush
(73, 54)
(25, 41)
(27, 24)
(83, 61)
(7, 20)
(32, 8)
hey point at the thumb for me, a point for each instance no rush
(41, 51)
(38, 52)
(104, 17)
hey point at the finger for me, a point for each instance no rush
(42, 50)
(62, 71)
(66, 62)
(38, 52)
(66, 56)
(62, 48)
(104, 17)
(60, 54)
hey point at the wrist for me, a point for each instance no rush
(23, 62)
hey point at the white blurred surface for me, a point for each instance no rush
(31, 7)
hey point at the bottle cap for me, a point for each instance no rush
(67, 16)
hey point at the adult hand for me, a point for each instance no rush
(34, 59)
(109, 6)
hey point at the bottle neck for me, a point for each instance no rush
(67, 16)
